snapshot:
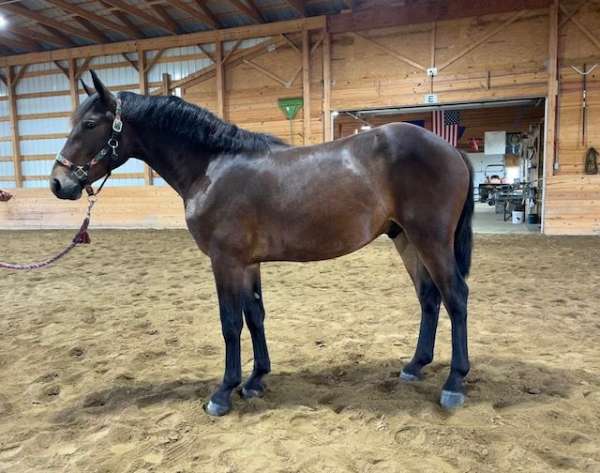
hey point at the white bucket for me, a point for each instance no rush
(518, 216)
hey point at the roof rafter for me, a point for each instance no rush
(249, 10)
(162, 12)
(93, 18)
(195, 13)
(140, 15)
(297, 5)
(209, 14)
(123, 18)
(46, 21)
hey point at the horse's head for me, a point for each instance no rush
(96, 145)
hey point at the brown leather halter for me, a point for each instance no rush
(109, 150)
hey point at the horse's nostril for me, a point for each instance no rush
(55, 185)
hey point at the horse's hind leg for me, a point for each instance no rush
(430, 299)
(255, 315)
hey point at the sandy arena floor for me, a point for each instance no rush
(105, 361)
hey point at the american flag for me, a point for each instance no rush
(445, 125)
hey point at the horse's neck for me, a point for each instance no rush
(179, 168)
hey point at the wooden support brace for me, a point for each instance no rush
(568, 16)
(84, 67)
(582, 28)
(483, 39)
(152, 62)
(299, 69)
(266, 72)
(231, 51)
(327, 125)
(220, 79)
(131, 62)
(73, 87)
(392, 53)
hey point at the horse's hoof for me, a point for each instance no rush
(452, 400)
(250, 393)
(409, 378)
(216, 410)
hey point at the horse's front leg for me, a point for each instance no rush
(229, 278)
(255, 317)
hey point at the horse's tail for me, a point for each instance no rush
(463, 237)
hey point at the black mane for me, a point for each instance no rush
(190, 125)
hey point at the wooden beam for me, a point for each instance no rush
(266, 72)
(483, 39)
(392, 53)
(150, 64)
(292, 44)
(141, 15)
(164, 15)
(208, 54)
(232, 50)
(44, 20)
(573, 12)
(306, 84)
(21, 31)
(84, 67)
(209, 14)
(142, 69)
(582, 28)
(220, 79)
(299, 69)
(553, 90)
(92, 17)
(18, 43)
(12, 81)
(166, 42)
(426, 11)
(166, 83)
(196, 14)
(133, 63)
(327, 125)
(249, 10)
(123, 18)
(73, 87)
(298, 6)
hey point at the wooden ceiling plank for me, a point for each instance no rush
(101, 37)
(93, 18)
(194, 13)
(44, 20)
(140, 15)
(59, 34)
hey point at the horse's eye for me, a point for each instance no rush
(89, 124)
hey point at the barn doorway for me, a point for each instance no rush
(504, 141)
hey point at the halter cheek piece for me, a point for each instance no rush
(109, 150)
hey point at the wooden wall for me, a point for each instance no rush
(492, 57)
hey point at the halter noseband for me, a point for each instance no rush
(109, 150)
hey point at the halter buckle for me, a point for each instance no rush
(117, 125)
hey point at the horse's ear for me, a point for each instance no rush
(105, 95)
(88, 91)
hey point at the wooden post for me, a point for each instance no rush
(73, 87)
(306, 84)
(220, 76)
(14, 124)
(327, 125)
(432, 53)
(550, 157)
(143, 78)
(166, 83)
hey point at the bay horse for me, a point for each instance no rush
(250, 198)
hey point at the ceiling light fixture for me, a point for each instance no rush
(3, 21)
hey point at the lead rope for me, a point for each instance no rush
(82, 237)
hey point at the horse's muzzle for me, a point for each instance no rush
(65, 188)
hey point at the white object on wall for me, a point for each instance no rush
(495, 142)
